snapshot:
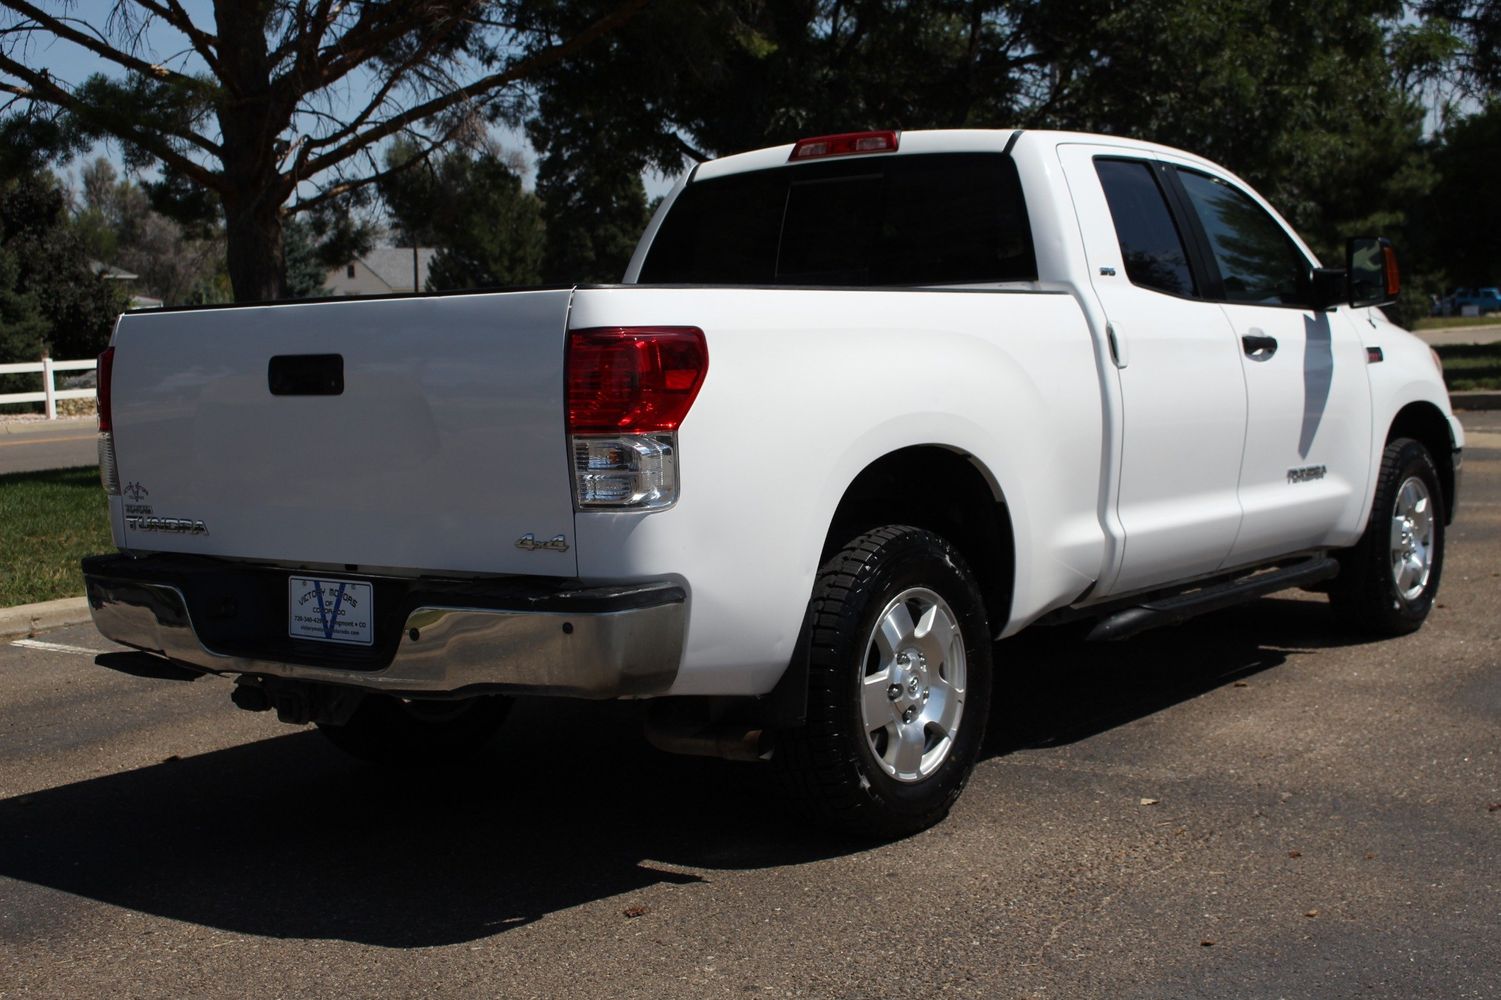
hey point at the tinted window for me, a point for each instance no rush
(1257, 261)
(907, 220)
(1149, 240)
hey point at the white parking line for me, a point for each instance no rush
(56, 647)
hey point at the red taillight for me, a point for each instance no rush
(845, 144)
(105, 371)
(633, 380)
(1393, 275)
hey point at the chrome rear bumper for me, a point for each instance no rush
(583, 642)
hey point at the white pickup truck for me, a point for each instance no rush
(862, 405)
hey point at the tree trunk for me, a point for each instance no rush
(257, 262)
(251, 121)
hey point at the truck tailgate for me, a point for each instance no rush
(443, 447)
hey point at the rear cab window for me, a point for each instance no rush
(1193, 235)
(1150, 242)
(871, 221)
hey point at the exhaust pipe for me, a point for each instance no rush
(726, 742)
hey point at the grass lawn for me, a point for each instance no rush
(48, 521)
(1471, 366)
(1456, 322)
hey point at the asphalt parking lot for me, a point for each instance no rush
(1252, 805)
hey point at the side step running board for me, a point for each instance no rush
(1181, 607)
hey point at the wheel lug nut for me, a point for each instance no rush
(894, 692)
(909, 714)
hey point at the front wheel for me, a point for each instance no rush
(899, 667)
(1388, 580)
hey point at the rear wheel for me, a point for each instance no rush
(1388, 580)
(899, 670)
(398, 732)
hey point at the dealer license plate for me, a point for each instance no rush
(331, 610)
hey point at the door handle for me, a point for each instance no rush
(1117, 346)
(1258, 346)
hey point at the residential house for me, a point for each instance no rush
(382, 271)
(108, 272)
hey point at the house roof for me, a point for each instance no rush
(393, 265)
(109, 272)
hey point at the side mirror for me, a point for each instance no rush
(1372, 265)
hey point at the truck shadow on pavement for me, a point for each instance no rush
(1052, 688)
(286, 838)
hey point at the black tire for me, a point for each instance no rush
(843, 773)
(397, 733)
(1367, 595)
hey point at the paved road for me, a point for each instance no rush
(1252, 805)
(58, 444)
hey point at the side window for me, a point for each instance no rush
(1150, 242)
(1258, 262)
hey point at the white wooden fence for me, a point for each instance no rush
(49, 393)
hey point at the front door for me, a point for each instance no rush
(1304, 470)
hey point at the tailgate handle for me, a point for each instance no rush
(306, 375)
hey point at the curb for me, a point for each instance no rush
(27, 427)
(1479, 399)
(29, 619)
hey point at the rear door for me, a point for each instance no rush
(422, 434)
(1184, 397)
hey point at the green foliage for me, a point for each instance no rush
(23, 328)
(305, 268)
(51, 266)
(1299, 99)
(1462, 218)
(118, 226)
(193, 208)
(1474, 60)
(325, 238)
(593, 202)
(337, 233)
(34, 138)
(471, 207)
(722, 76)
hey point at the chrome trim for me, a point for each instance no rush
(615, 654)
(528, 543)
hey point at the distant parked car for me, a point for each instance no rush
(1485, 300)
